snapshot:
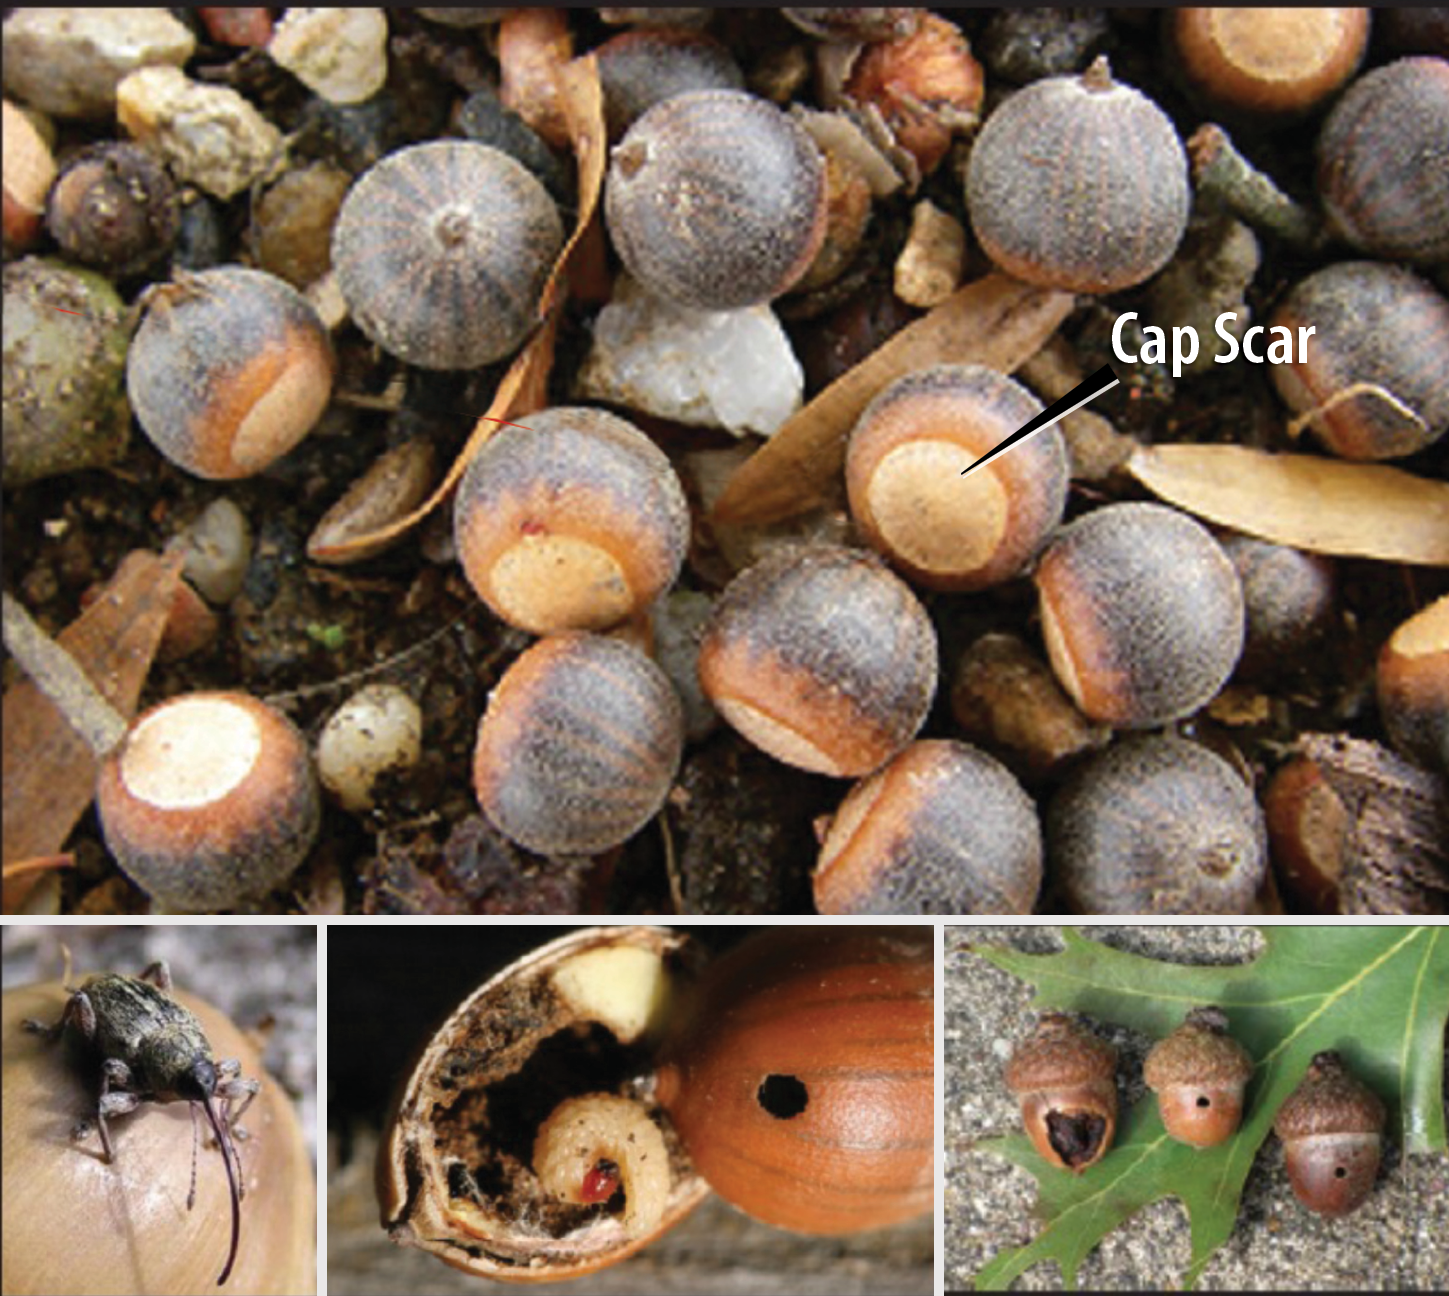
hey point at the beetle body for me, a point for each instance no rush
(154, 1050)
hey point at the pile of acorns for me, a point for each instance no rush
(577, 526)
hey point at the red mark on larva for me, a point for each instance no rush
(63, 310)
(600, 1183)
(506, 423)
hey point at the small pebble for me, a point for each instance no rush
(210, 136)
(339, 54)
(730, 369)
(218, 551)
(929, 266)
(378, 728)
(70, 61)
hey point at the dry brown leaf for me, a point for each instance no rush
(1330, 506)
(525, 385)
(49, 772)
(996, 321)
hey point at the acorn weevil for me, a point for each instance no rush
(153, 1050)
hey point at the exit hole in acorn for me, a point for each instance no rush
(1340, 1173)
(783, 1096)
(1204, 1101)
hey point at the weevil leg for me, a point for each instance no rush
(71, 1012)
(233, 1090)
(115, 1076)
(158, 974)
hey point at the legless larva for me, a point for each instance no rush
(591, 1145)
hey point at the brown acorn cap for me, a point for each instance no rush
(1061, 1053)
(1329, 1100)
(1200, 1051)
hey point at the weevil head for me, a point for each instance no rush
(198, 1082)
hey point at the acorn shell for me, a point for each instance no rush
(1378, 326)
(228, 371)
(1079, 183)
(575, 522)
(1065, 1080)
(800, 1077)
(822, 658)
(442, 251)
(715, 199)
(1331, 1126)
(483, 1086)
(1199, 1073)
(903, 473)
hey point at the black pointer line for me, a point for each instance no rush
(1083, 393)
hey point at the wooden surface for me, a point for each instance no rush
(716, 1250)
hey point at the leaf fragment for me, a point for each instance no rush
(49, 771)
(1329, 506)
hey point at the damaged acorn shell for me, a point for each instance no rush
(1199, 1073)
(579, 1016)
(800, 1077)
(1065, 1079)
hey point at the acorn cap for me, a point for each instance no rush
(1061, 1053)
(1198, 1052)
(1329, 1100)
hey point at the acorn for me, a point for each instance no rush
(1413, 686)
(903, 472)
(800, 1077)
(821, 657)
(1332, 1131)
(1079, 183)
(1199, 1073)
(1065, 1079)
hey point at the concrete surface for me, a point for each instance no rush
(1399, 1240)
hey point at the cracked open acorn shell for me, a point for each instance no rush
(580, 1016)
(1065, 1079)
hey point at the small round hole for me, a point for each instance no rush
(1340, 1172)
(783, 1096)
(1204, 1101)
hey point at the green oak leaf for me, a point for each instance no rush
(1378, 995)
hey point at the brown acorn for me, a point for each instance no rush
(1065, 1079)
(1331, 1127)
(1199, 1073)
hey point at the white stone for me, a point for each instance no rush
(210, 135)
(727, 369)
(339, 54)
(69, 61)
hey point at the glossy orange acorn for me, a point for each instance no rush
(1199, 1073)
(800, 1077)
(1065, 1079)
(1332, 1132)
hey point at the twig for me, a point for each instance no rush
(1219, 171)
